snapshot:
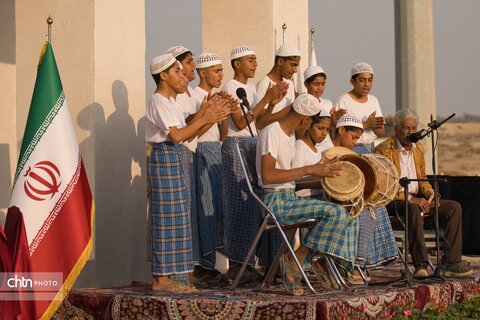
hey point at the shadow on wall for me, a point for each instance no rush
(120, 199)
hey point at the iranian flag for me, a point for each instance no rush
(51, 189)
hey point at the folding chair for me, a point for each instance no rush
(246, 150)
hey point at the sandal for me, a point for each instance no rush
(293, 286)
(350, 278)
(320, 269)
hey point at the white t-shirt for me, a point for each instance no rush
(325, 144)
(263, 85)
(161, 114)
(325, 105)
(305, 156)
(212, 134)
(231, 87)
(187, 107)
(274, 141)
(361, 111)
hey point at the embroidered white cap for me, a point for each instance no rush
(361, 67)
(241, 51)
(161, 62)
(287, 50)
(311, 71)
(176, 50)
(348, 120)
(207, 59)
(306, 105)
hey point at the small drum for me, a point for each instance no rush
(346, 188)
(387, 180)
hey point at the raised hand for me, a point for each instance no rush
(374, 122)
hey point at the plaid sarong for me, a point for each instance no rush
(192, 191)
(335, 233)
(169, 205)
(242, 214)
(376, 241)
(208, 159)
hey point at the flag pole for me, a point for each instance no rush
(284, 27)
(312, 42)
(49, 22)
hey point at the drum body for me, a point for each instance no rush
(387, 180)
(346, 188)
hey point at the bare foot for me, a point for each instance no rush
(165, 284)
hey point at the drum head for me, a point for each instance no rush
(337, 152)
(347, 185)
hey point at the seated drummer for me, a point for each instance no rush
(409, 158)
(275, 149)
(376, 241)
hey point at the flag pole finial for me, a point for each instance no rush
(284, 27)
(49, 22)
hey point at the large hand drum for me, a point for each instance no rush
(387, 181)
(369, 171)
(346, 188)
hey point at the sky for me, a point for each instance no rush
(350, 31)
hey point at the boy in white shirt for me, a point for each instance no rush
(208, 160)
(240, 211)
(166, 130)
(335, 232)
(360, 103)
(287, 59)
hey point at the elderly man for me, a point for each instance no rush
(409, 158)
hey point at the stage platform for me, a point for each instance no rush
(137, 301)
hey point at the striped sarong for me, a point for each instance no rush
(208, 159)
(376, 241)
(335, 233)
(169, 205)
(242, 214)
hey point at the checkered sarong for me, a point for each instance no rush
(335, 233)
(170, 209)
(208, 159)
(242, 214)
(376, 241)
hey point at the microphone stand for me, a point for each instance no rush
(242, 107)
(439, 271)
(407, 275)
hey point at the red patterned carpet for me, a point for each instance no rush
(137, 301)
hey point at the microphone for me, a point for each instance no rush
(242, 95)
(414, 137)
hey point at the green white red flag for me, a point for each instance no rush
(51, 189)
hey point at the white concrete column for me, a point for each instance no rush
(258, 24)
(415, 62)
(99, 47)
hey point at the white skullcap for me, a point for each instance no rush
(348, 120)
(306, 105)
(288, 50)
(207, 59)
(311, 71)
(241, 51)
(361, 67)
(176, 51)
(162, 62)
